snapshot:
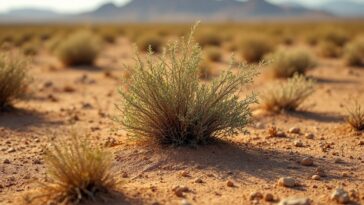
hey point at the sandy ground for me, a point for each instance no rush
(84, 99)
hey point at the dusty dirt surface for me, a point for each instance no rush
(226, 172)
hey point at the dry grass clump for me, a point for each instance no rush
(287, 63)
(355, 115)
(13, 78)
(329, 50)
(80, 48)
(166, 102)
(145, 42)
(76, 172)
(354, 53)
(288, 95)
(255, 48)
(209, 39)
(213, 54)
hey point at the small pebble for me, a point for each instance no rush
(256, 196)
(10, 150)
(307, 161)
(340, 196)
(295, 201)
(6, 161)
(316, 177)
(185, 202)
(287, 182)
(309, 136)
(198, 180)
(269, 197)
(229, 183)
(294, 130)
(298, 143)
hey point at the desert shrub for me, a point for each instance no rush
(287, 39)
(77, 172)
(255, 48)
(13, 78)
(152, 41)
(80, 48)
(287, 63)
(335, 36)
(312, 38)
(354, 53)
(213, 54)
(166, 102)
(355, 115)
(209, 39)
(329, 50)
(288, 95)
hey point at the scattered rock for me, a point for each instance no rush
(269, 197)
(339, 161)
(230, 183)
(185, 174)
(124, 175)
(37, 161)
(185, 202)
(198, 180)
(309, 136)
(273, 132)
(294, 130)
(316, 177)
(320, 171)
(361, 143)
(180, 190)
(298, 143)
(6, 161)
(307, 161)
(344, 174)
(341, 196)
(295, 201)
(68, 89)
(287, 182)
(10, 150)
(256, 196)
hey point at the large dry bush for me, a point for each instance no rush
(13, 78)
(254, 48)
(288, 95)
(77, 172)
(79, 48)
(166, 102)
(355, 115)
(354, 53)
(287, 63)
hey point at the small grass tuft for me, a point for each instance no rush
(288, 95)
(355, 115)
(80, 48)
(77, 172)
(13, 78)
(287, 63)
(166, 102)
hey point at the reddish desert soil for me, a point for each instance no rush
(84, 99)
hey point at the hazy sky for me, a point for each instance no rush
(83, 5)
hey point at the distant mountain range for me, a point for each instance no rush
(190, 10)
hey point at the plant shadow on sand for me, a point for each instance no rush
(223, 158)
(21, 119)
(316, 116)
